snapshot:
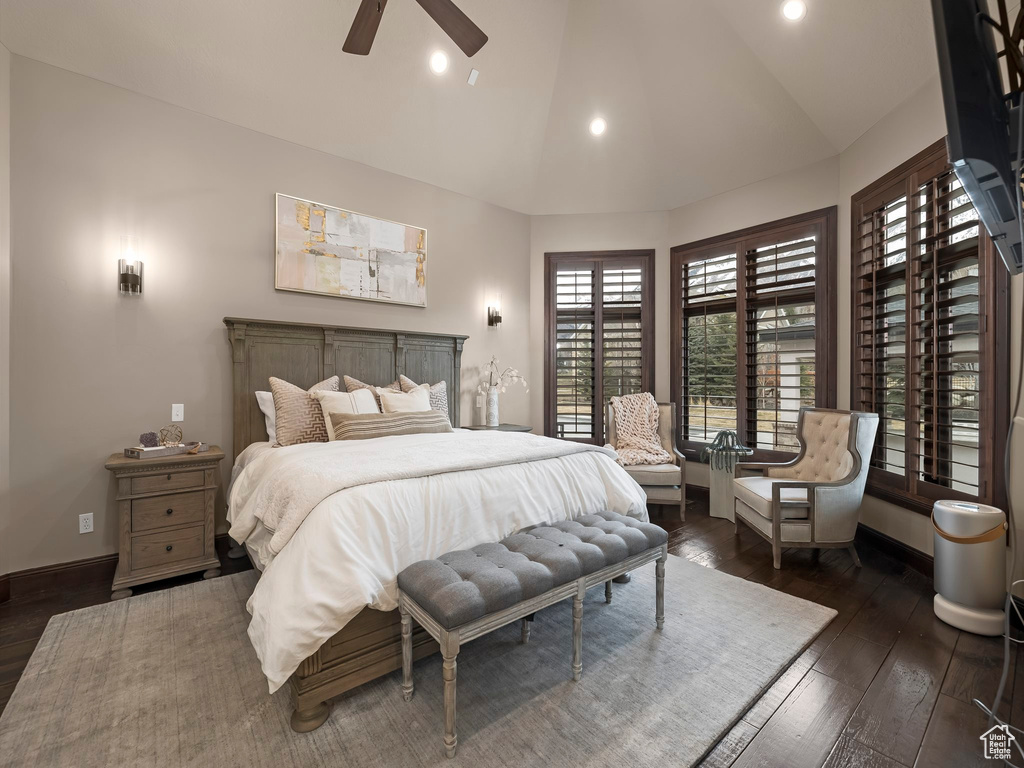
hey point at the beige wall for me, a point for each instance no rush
(5, 305)
(91, 370)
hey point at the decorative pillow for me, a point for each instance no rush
(438, 393)
(360, 401)
(265, 400)
(354, 384)
(405, 402)
(364, 426)
(299, 418)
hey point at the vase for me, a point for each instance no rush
(492, 407)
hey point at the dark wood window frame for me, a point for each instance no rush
(825, 295)
(601, 259)
(906, 489)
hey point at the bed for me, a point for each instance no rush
(330, 524)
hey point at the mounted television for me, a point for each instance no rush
(982, 135)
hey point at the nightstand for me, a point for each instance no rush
(165, 507)
(501, 428)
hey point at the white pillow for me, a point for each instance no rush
(359, 401)
(405, 402)
(265, 400)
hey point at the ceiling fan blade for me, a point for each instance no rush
(467, 35)
(364, 27)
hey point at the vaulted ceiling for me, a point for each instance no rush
(700, 96)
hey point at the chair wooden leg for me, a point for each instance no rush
(407, 686)
(853, 554)
(682, 506)
(777, 555)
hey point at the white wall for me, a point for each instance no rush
(91, 370)
(5, 305)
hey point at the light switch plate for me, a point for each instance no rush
(479, 401)
(178, 412)
(85, 523)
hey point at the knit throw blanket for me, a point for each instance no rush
(636, 430)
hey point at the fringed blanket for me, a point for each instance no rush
(636, 430)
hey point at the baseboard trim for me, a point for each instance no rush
(92, 570)
(919, 561)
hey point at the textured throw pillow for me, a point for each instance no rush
(360, 401)
(438, 393)
(265, 400)
(364, 426)
(405, 402)
(355, 384)
(299, 418)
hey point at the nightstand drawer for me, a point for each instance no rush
(169, 482)
(167, 547)
(165, 511)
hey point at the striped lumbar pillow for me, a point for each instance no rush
(438, 393)
(363, 426)
(299, 417)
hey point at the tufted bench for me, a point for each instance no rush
(467, 593)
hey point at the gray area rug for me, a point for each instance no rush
(170, 679)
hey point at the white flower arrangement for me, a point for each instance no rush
(502, 379)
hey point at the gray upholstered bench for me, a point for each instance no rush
(465, 594)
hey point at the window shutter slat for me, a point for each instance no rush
(574, 351)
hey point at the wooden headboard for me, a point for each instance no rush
(305, 353)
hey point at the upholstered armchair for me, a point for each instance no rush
(813, 500)
(664, 483)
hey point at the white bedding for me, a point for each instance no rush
(350, 547)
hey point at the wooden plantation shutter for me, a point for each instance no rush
(781, 337)
(770, 291)
(708, 360)
(599, 340)
(928, 298)
(575, 353)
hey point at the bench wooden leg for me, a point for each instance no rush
(659, 613)
(607, 591)
(407, 685)
(525, 637)
(449, 650)
(577, 632)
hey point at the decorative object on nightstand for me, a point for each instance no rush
(497, 381)
(501, 428)
(165, 506)
(721, 457)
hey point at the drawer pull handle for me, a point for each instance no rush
(168, 477)
(170, 511)
(169, 547)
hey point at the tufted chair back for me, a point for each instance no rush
(824, 437)
(666, 426)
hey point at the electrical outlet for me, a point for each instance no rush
(85, 523)
(479, 401)
(178, 412)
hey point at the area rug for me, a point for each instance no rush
(169, 679)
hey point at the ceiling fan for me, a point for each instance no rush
(467, 35)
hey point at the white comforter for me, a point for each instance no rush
(352, 514)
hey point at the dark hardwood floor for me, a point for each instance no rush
(885, 685)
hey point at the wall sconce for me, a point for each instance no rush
(129, 267)
(493, 317)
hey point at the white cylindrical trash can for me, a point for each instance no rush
(970, 566)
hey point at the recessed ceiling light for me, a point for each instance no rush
(598, 126)
(794, 10)
(439, 62)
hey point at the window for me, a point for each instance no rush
(599, 337)
(753, 332)
(929, 336)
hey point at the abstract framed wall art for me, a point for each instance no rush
(330, 251)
